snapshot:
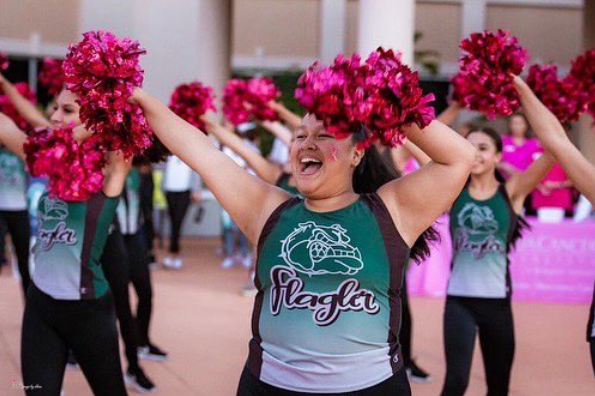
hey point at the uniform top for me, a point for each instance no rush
(481, 232)
(328, 310)
(13, 182)
(128, 212)
(69, 245)
(521, 157)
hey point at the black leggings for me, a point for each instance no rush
(397, 385)
(52, 327)
(463, 317)
(17, 225)
(177, 206)
(147, 186)
(592, 348)
(120, 268)
(406, 326)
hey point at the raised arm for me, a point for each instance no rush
(268, 172)
(279, 130)
(450, 114)
(521, 184)
(554, 139)
(26, 109)
(238, 192)
(290, 118)
(11, 136)
(116, 172)
(415, 201)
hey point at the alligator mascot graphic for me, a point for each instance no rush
(316, 250)
(478, 220)
(53, 209)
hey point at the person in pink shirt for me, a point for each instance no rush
(554, 191)
(519, 151)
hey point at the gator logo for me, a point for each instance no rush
(317, 250)
(478, 220)
(11, 169)
(52, 209)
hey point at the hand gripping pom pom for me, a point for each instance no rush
(11, 112)
(74, 171)
(247, 99)
(484, 82)
(51, 75)
(191, 102)
(381, 95)
(103, 70)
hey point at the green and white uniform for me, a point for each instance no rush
(327, 313)
(69, 244)
(128, 211)
(481, 231)
(13, 182)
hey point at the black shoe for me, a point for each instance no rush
(137, 380)
(71, 362)
(416, 374)
(151, 352)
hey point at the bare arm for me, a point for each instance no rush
(450, 114)
(554, 139)
(421, 157)
(116, 172)
(290, 118)
(521, 184)
(264, 169)
(279, 130)
(26, 109)
(247, 199)
(11, 136)
(415, 201)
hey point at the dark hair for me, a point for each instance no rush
(521, 224)
(154, 154)
(376, 169)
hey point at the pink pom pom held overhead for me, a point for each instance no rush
(484, 82)
(564, 97)
(583, 71)
(3, 61)
(191, 102)
(103, 70)
(244, 100)
(382, 96)
(10, 111)
(51, 75)
(74, 171)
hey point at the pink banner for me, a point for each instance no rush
(552, 263)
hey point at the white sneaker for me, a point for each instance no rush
(168, 262)
(177, 263)
(247, 261)
(227, 263)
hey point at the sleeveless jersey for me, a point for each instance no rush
(283, 183)
(69, 245)
(481, 232)
(128, 211)
(328, 310)
(13, 182)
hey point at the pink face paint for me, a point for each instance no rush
(334, 151)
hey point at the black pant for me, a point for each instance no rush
(463, 317)
(17, 224)
(592, 348)
(147, 186)
(397, 385)
(52, 327)
(406, 326)
(117, 272)
(177, 206)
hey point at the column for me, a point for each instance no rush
(332, 29)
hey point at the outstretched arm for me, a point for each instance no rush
(415, 201)
(450, 114)
(268, 172)
(553, 137)
(26, 109)
(116, 172)
(279, 130)
(11, 136)
(237, 191)
(290, 118)
(521, 184)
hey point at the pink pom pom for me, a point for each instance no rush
(103, 71)
(191, 102)
(10, 111)
(247, 99)
(484, 82)
(583, 72)
(382, 95)
(74, 171)
(51, 75)
(561, 97)
(3, 61)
